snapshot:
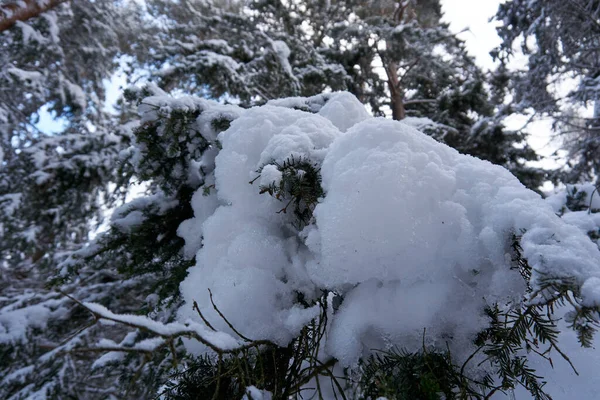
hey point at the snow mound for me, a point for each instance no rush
(341, 108)
(249, 255)
(417, 236)
(410, 234)
(344, 111)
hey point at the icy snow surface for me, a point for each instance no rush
(410, 233)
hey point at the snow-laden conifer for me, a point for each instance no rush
(560, 79)
(286, 249)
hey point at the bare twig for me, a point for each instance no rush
(202, 316)
(226, 320)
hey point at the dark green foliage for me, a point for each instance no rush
(199, 381)
(553, 292)
(225, 379)
(59, 61)
(576, 199)
(511, 332)
(171, 138)
(143, 236)
(425, 375)
(133, 251)
(445, 86)
(54, 183)
(135, 267)
(283, 371)
(594, 234)
(222, 52)
(299, 187)
(277, 49)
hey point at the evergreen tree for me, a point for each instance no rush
(59, 61)
(59, 339)
(560, 41)
(12, 12)
(224, 51)
(399, 56)
(54, 188)
(196, 156)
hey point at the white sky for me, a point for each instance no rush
(474, 15)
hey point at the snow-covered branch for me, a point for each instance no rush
(219, 342)
(14, 11)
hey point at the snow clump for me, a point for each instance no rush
(410, 234)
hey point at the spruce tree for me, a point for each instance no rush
(183, 149)
(401, 58)
(58, 337)
(226, 52)
(560, 41)
(55, 187)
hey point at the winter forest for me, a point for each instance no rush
(298, 199)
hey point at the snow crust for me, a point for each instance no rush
(411, 234)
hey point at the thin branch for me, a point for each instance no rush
(591, 199)
(419, 101)
(106, 349)
(226, 320)
(202, 316)
(184, 331)
(584, 13)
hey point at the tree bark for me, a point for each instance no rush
(391, 69)
(23, 10)
(396, 92)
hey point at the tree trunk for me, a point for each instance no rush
(396, 92)
(23, 10)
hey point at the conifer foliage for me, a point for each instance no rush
(300, 248)
(292, 338)
(560, 41)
